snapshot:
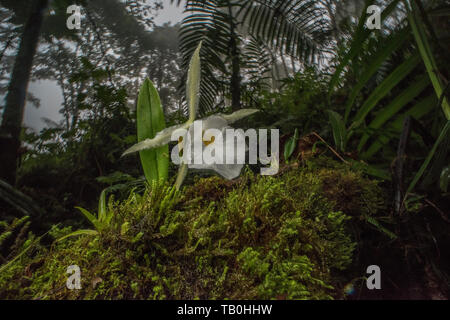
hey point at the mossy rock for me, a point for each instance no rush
(259, 237)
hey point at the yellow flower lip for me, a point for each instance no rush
(207, 142)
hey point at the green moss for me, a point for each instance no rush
(281, 237)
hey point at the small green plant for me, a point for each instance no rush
(366, 121)
(163, 136)
(402, 92)
(15, 241)
(101, 222)
(290, 145)
(13, 236)
(339, 130)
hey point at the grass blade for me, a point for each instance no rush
(377, 60)
(84, 232)
(385, 87)
(427, 56)
(425, 164)
(422, 108)
(394, 107)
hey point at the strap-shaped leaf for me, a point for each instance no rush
(427, 56)
(422, 108)
(380, 227)
(24, 251)
(83, 232)
(371, 170)
(394, 107)
(150, 120)
(102, 211)
(443, 135)
(392, 44)
(359, 39)
(385, 87)
(339, 130)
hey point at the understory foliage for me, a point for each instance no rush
(299, 104)
(280, 237)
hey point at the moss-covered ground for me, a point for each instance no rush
(258, 237)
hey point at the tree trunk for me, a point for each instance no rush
(15, 100)
(235, 65)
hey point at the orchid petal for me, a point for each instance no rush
(214, 121)
(193, 83)
(161, 138)
(228, 171)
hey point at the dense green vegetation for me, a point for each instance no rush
(256, 237)
(364, 121)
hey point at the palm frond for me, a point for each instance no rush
(297, 28)
(263, 30)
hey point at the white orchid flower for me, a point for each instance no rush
(216, 122)
(220, 122)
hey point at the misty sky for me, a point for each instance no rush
(50, 94)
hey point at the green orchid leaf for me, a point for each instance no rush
(361, 34)
(150, 120)
(162, 138)
(371, 170)
(24, 251)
